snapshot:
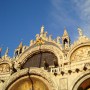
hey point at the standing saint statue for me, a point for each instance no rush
(80, 32)
(42, 29)
(58, 39)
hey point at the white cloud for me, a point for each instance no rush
(61, 13)
(83, 10)
(62, 16)
(71, 13)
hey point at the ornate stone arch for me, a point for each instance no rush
(51, 48)
(39, 73)
(76, 48)
(80, 79)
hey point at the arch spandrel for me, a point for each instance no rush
(51, 48)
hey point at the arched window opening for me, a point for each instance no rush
(65, 41)
(44, 59)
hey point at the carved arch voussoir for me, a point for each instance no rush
(37, 72)
(57, 52)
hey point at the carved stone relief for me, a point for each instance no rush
(81, 53)
(4, 68)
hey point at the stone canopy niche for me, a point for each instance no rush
(29, 83)
(82, 53)
(39, 59)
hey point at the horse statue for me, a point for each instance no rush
(18, 50)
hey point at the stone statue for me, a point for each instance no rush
(42, 29)
(18, 50)
(66, 45)
(42, 32)
(58, 39)
(45, 34)
(50, 37)
(46, 64)
(37, 36)
(80, 32)
(31, 42)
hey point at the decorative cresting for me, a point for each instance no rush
(79, 52)
(34, 73)
(76, 85)
(43, 35)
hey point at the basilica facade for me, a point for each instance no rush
(48, 64)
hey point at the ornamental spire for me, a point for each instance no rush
(6, 53)
(0, 52)
(65, 40)
(65, 32)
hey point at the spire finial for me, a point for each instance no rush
(0, 52)
(64, 28)
(20, 45)
(65, 32)
(7, 50)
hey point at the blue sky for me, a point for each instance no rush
(20, 20)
